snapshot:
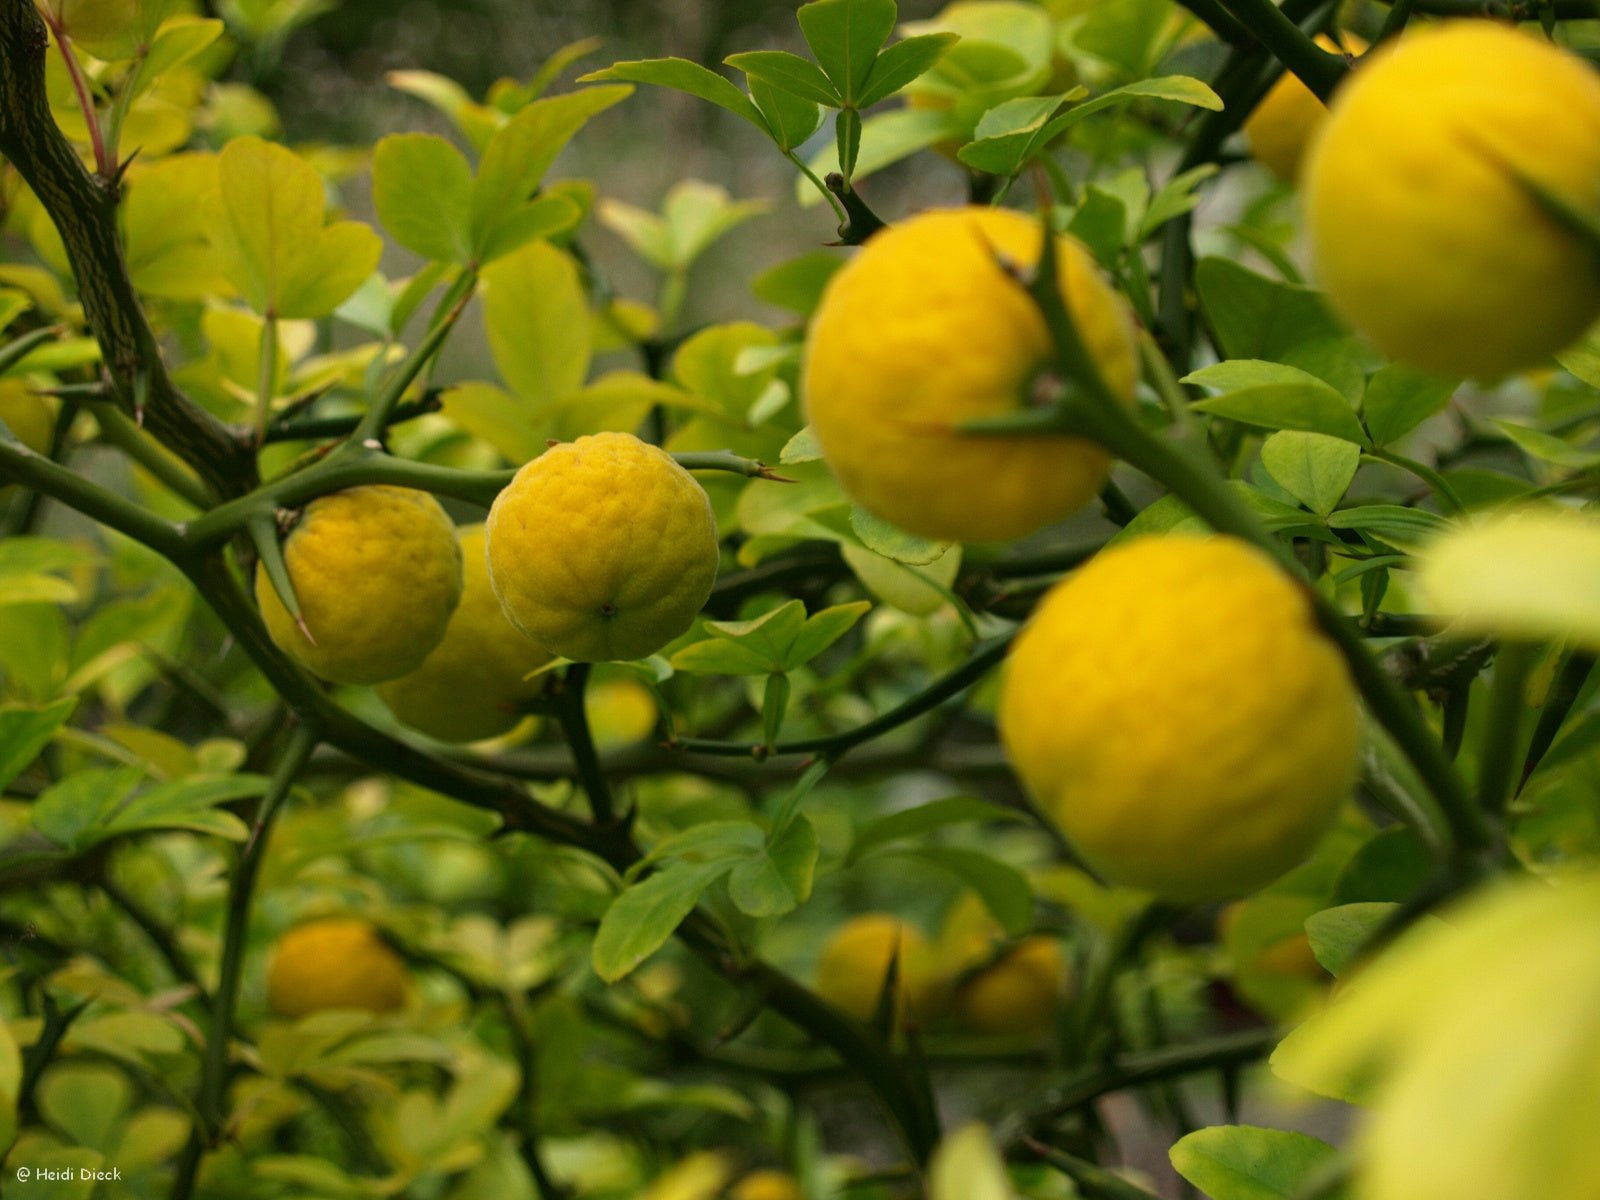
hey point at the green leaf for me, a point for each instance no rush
(788, 73)
(790, 119)
(186, 804)
(107, 29)
(1392, 865)
(881, 537)
(847, 139)
(1275, 396)
(549, 216)
(903, 62)
(1338, 934)
(68, 810)
(537, 317)
(683, 76)
(270, 239)
(644, 916)
(1178, 195)
(1548, 448)
(719, 656)
(1582, 359)
(845, 36)
(967, 1166)
(1243, 1162)
(520, 152)
(776, 879)
(822, 630)
(1313, 468)
(180, 39)
(1257, 317)
(1401, 527)
(801, 448)
(422, 190)
(797, 285)
(1003, 889)
(924, 819)
(1398, 399)
(24, 732)
(697, 214)
(1009, 134)
(88, 1102)
(1179, 88)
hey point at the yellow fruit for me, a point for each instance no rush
(1474, 1044)
(1281, 127)
(924, 330)
(766, 1185)
(468, 688)
(337, 962)
(855, 964)
(1422, 228)
(1173, 707)
(1018, 994)
(1288, 955)
(30, 417)
(1006, 991)
(603, 548)
(620, 712)
(377, 573)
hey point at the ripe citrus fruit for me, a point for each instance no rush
(30, 417)
(336, 962)
(377, 573)
(468, 688)
(1003, 990)
(603, 548)
(766, 1185)
(1173, 707)
(1424, 229)
(855, 965)
(926, 329)
(1281, 127)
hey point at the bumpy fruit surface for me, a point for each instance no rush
(766, 1185)
(30, 417)
(855, 965)
(1280, 129)
(603, 548)
(1424, 228)
(377, 573)
(337, 962)
(924, 330)
(468, 688)
(1173, 707)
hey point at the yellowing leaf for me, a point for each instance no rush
(164, 219)
(538, 320)
(268, 231)
(1530, 573)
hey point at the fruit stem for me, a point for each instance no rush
(575, 726)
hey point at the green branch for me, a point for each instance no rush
(1320, 70)
(211, 1101)
(575, 726)
(984, 659)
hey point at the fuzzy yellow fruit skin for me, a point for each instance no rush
(337, 962)
(1174, 709)
(603, 548)
(468, 688)
(855, 964)
(1420, 230)
(377, 573)
(1280, 129)
(924, 330)
(766, 1185)
(30, 417)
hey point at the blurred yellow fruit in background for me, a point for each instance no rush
(1280, 129)
(855, 964)
(335, 962)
